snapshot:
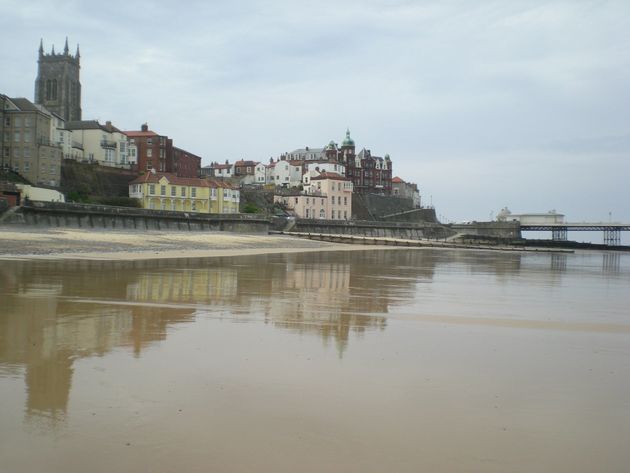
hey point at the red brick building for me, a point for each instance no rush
(154, 151)
(186, 164)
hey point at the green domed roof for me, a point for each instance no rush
(347, 141)
(331, 145)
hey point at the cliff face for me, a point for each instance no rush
(83, 182)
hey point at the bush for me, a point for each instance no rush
(250, 208)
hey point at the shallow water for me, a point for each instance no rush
(367, 361)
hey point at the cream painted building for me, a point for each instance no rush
(326, 196)
(102, 144)
(166, 191)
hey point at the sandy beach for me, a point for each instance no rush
(71, 243)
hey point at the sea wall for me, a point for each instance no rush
(55, 214)
(405, 230)
(506, 230)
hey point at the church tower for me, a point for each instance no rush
(57, 86)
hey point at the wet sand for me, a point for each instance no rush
(69, 243)
(337, 361)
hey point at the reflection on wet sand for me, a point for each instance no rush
(378, 361)
(54, 313)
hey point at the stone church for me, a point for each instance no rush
(57, 86)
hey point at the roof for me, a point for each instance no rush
(140, 133)
(397, 180)
(25, 105)
(90, 125)
(329, 175)
(154, 178)
(221, 166)
(246, 163)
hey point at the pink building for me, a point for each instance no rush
(327, 196)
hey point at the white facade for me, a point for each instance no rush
(40, 194)
(530, 219)
(102, 144)
(260, 173)
(326, 167)
(286, 174)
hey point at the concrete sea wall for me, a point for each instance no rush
(54, 214)
(410, 231)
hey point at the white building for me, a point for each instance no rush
(531, 218)
(285, 173)
(102, 144)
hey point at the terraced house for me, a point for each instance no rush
(166, 191)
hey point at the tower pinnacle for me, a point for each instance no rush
(65, 48)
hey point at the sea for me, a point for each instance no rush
(399, 360)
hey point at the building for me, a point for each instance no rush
(28, 144)
(166, 191)
(286, 173)
(223, 171)
(326, 196)
(368, 173)
(186, 164)
(153, 151)
(95, 143)
(156, 152)
(57, 86)
(406, 190)
(531, 218)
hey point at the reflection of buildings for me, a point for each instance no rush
(56, 312)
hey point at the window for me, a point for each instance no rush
(7, 121)
(333, 199)
(193, 192)
(162, 205)
(172, 205)
(149, 153)
(193, 205)
(345, 201)
(149, 165)
(27, 166)
(150, 141)
(162, 190)
(322, 214)
(16, 137)
(213, 193)
(332, 215)
(161, 152)
(345, 214)
(17, 123)
(297, 199)
(307, 213)
(16, 152)
(27, 152)
(183, 191)
(151, 189)
(173, 191)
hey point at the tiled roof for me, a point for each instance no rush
(154, 178)
(329, 175)
(90, 125)
(139, 133)
(24, 105)
(397, 180)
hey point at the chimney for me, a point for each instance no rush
(108, 125)
(144, 127)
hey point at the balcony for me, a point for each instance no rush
(108, 144)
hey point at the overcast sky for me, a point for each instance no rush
(484, 104)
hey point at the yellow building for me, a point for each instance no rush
(166, 191)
